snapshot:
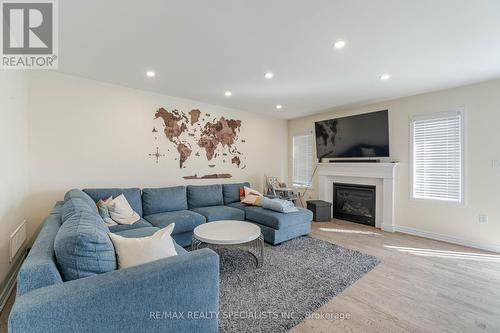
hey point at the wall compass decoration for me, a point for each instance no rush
(157, 155)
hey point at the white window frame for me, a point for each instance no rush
(463, 194)
(311, 159)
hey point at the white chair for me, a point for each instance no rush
(279, 189)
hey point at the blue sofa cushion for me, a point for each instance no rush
(238, 205)
(83, 248)
(184, 239)
(142, 223)
(277, 220)
(166, 199)
(204, 195)
(76, 193)
(231, 192)
(179, 249)
(217, 213)
(185, 220)
(138, 232)
(133, 196)
(76, 205)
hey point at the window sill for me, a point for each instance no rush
(438, 201)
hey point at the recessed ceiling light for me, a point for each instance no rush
(339, 44)
(385, 77)
(228, 93)
(150, 74)
(269, 75)
(279, 106)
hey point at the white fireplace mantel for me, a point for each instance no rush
(380, 175)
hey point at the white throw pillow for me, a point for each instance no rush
(251, 191)
(121, 212)
(136, 251)
(252, 197)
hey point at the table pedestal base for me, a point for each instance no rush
(255, 248)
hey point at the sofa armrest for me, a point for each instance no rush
(175, 294)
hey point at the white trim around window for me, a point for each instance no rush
(437, 157)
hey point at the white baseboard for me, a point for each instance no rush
(448, 239)
(388, 227)
(11, 282)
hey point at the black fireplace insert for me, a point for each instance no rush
(353, 202)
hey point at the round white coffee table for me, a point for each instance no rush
(229, 232)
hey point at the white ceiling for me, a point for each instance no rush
(199, 49)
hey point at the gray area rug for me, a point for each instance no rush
(296, 279)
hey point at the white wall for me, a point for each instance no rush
(482, 105)
(13, 159)
(86, 133)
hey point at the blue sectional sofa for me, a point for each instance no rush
(190, 206)
(71, 293)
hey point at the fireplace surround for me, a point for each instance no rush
(381, 175)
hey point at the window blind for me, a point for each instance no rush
(302, 159)
(437, 144)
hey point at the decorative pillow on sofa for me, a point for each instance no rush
(136, 251)
(252, 197)
(133, 196)
(83, 248)
(121, 212)
(250, 191)
(279, 205)
(103, 208)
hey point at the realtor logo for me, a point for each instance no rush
(29, 34)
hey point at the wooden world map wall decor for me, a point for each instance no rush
(199, 135)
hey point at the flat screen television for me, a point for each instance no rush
(360, 136)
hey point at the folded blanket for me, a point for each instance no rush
(278, 205)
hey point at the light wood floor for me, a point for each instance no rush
(420, 286)
(413, 289)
